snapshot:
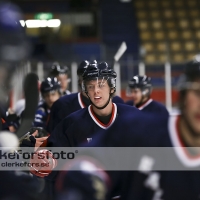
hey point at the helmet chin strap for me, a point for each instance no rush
(140, 103)
(102, 107)
(142, 99)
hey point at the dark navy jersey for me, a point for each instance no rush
(19, 185)
(165, 185)
(152, 107)
(130, 103)
(66, 92)
(67, 105)
(117, 99)
(81, 126)
(63, 107)
(42, 116)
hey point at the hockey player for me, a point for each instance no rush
(99, 85)
(51, 92)
(80, 126)
(73, 102)
(68, 103)
(62, 74)
(181, 131)
(140, 88)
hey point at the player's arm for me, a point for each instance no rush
(58, 137)
(39, 120)
(55, 116)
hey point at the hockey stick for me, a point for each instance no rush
(117, 56)
(31, 94)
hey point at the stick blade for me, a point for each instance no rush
(120, 51)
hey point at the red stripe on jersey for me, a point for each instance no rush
(111, 119)
(181, 141)
(3, 121)
(81, 98)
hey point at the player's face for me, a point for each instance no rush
(98, 91)
(51, 97)
(192, 109)
(63, 78)
(136, 94)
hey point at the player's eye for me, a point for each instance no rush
(100, 85)
(90, 87)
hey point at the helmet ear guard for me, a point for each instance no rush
(145, 92)
(112, 85)
(83, 87)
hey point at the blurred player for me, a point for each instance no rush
(62, 74)
(51, 92)
(73, 102)
(183, 131)
(13, 49)
(140, 88)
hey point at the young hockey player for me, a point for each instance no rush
(182, 131)
(73, 102)
(99, 86)
(51, 92)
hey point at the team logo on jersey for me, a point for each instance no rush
(89, 139)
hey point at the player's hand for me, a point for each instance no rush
(39, 141)
(30, 140)
(41, 132)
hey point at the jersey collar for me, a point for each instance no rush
(145, 104)
(82, 105)
(181, 151)
(113, 117)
